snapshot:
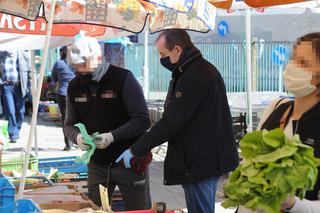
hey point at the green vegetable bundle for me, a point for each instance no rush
(274, 168)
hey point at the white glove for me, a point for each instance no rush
(81, 143)
(102, 141)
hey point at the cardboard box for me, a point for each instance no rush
(68, 206)
(69, 198)
(55, 189)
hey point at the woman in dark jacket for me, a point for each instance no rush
(301, 115)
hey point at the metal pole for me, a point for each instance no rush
(280, 78)
(33, 93)
(145, 69)
(37, 98)
(249, 70)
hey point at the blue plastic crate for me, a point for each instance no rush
(7, 191)
(63, 164)
(21, 206)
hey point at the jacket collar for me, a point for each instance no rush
(187, 58)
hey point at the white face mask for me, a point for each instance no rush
(298, 81)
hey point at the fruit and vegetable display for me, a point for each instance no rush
(274, 167)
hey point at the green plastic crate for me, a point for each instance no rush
(16, 163)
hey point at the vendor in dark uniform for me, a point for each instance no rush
(109, 100)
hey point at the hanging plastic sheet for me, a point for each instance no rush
(85, 158)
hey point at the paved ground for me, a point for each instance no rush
(50, 144)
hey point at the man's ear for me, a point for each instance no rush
(178, 49)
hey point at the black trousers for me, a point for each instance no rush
(62, 108)
(133, 187)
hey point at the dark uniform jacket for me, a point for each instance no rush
(114, 104)
(196, 123)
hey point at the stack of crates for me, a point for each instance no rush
(155, 110)
(16, 163)
(7, 191)
(21, 206)
(63, 165)
(7, 204)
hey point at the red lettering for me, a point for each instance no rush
(12, 24)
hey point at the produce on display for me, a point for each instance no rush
(274, 167)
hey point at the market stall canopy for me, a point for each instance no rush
(23, 24)
(129, 15)
(224, 4)
(269, 3)
(246, 4)
(187, 5)
(22, 34)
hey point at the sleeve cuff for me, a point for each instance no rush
(110, 137)
(137, 149)
(298, 206)
(133, 152)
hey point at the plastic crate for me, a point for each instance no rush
(21, 206)
(16, 163)
(7, 191)
(63, 164)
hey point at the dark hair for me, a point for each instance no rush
(63, 52)
(175, 37)
(315, 39)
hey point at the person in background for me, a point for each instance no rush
(62, 74)
(196, 123)
(301, 115)
(48, 91)
(15, 81)
(109, 100)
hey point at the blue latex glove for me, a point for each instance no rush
(126, 156)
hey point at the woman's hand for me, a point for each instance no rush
(288, 203)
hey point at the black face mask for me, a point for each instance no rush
(165, 61)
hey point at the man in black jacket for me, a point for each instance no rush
(109, 100)
(196, 123)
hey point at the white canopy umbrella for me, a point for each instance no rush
(22, 34)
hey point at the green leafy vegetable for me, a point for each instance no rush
(274, 167)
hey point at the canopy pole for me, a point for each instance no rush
(280, 78)
(249, 68)
(37, 98)
(33, 94)
(145, 69)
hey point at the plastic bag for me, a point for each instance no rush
(85, 158)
